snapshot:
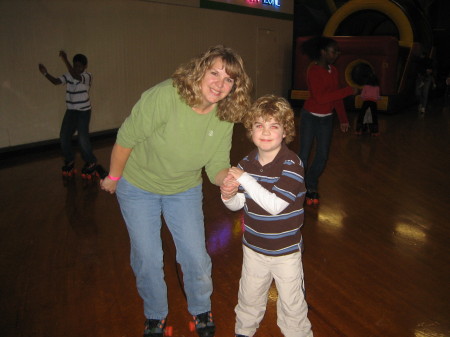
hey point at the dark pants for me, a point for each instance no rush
(373, 110)
(76, 120)
(423, 84)
(319, 129)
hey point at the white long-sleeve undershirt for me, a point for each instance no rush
(269, 201)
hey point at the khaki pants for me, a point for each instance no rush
(258, 271)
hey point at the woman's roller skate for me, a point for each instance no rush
(89, 171)
(312, 198)
(204, 324)
(157, 328)
(68, 170)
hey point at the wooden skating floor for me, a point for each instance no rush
(376, 263)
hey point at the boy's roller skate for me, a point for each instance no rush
(101, 172)
(68, 170)
(89, 171)
(204, 324)
(312, 198)
(157, 328)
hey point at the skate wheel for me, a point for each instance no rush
(168, 331)
(191, 326)
(309, 202)
(316, 201)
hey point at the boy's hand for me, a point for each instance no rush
(235, 172)
(229, 187)
(62, 54)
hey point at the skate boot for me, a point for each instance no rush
(89, 171)
(312, 198)
(156, 328)
(101, 172)
(358, 130)
(374, 130)
(204, 324)
(68, 170)
(365, 128)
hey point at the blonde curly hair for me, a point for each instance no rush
(271, 106)
(188, 77)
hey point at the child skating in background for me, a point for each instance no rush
(78, 112)
(272, 193)
(316, 122)
(370, 95)
(425, 81)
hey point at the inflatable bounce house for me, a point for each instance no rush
(382, 36)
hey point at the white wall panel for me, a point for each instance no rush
(131, 45)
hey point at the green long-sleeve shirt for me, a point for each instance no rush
(172, 143)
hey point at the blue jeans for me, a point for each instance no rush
(183, 214)
(76, 120)
(319, 129)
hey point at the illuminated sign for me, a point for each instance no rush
(274, 3)
(283, 8)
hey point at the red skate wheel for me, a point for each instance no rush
(168, 331)
(309, 202)
(316, 201)
(191, 326)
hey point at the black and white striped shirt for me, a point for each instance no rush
(77, 92)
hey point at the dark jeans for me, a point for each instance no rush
(373, 110)
(423, 84)
(319, 129)
(76, 120)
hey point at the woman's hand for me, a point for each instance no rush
(108, 185)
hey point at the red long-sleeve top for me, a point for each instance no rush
(325, 94)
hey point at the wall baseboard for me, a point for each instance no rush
(52, 145)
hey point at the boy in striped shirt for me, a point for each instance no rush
(272, 192)
(78, 113)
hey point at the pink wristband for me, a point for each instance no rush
(114, 178)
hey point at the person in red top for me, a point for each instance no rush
(370, 94)
(316, 121)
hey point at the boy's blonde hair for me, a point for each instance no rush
(188, 77)
(271, 106)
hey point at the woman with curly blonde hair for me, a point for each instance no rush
(176, 129)
(187, 79)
